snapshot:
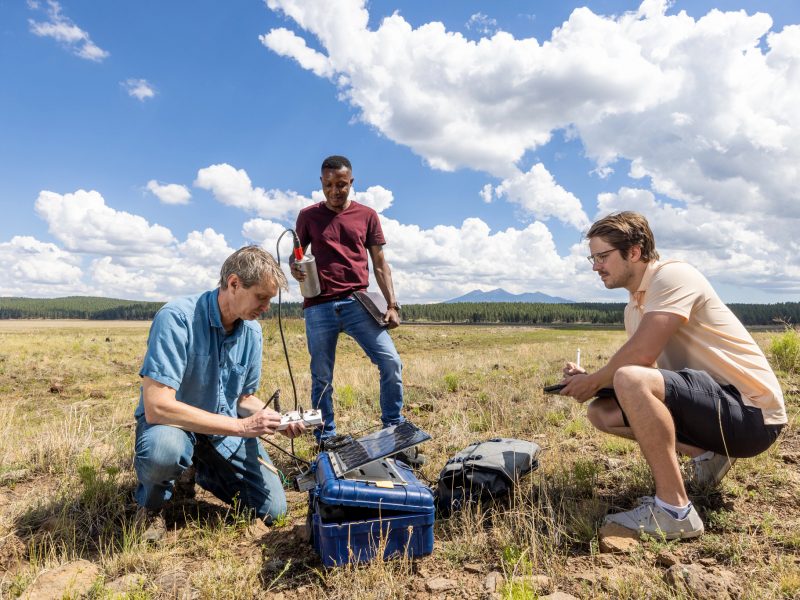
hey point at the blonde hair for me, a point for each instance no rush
(252, 264)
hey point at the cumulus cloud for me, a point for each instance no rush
(741, 250)
(446, 261)
(233, 187)
(141, 89)
(29, 267)
(169, 193)
(84, 223)
(63, 30)
(539, 195)
(702, 109)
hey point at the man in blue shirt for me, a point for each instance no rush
(198, 404)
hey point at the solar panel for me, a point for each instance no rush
(377, 445)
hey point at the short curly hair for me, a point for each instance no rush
(253, 265)
(624, 230)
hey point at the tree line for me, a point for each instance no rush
(518, 313)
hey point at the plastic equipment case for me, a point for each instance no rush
(378, 505)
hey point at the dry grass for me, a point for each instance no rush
(68, 394)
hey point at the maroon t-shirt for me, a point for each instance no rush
(339, 243)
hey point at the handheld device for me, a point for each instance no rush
(310, 418)
(601, 393)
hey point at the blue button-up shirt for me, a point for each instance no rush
(189, 351)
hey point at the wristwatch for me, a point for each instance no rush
(395, 306)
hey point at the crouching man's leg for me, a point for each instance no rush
(242, 478)
(640, 392)
(163, 452)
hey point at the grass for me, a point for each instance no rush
(67, 397)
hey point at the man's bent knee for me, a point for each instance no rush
(163, 454)
(633, 380)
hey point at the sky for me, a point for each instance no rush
(141, 142)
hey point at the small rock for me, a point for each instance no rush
(440, 584)
(665, 558)
(492, 581)
(613, 463)
(129, 582)
(540, 583)
(707, 561)
(558, 596)
(474, 568)
(257, 529)
(616, 538)
(701, 584)
(14, 476)
(98, 394)
(56, 387)
(175, 584)
(72, 580)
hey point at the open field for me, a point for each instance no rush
(67, 396)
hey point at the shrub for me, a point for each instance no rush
(785, 350)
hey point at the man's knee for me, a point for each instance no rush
(631, 381)
(163, 454)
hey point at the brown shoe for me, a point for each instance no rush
(151, 524)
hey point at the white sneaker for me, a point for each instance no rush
(706, 474)
(652, 519)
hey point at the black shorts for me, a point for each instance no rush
(713, 417)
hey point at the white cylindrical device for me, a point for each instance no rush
(309, 287)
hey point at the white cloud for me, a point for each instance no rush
(539, 195)
(29, 267)
(482, 23)
(233, 187)
(741, 250)
(702, 112)
(63, 30)
(141, 89)
(83, 223)
(170, 193)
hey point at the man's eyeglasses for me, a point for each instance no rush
(600, 258)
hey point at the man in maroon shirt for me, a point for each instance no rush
(341, 233)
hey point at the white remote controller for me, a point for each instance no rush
(310, 418)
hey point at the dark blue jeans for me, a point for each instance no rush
(324, 323)
(163, 452)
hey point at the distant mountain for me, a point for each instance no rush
(500, 295)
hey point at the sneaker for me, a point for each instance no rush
(411, 456)
(706, 474)
(654, 520)
(151, 524)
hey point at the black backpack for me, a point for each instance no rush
(484, 472)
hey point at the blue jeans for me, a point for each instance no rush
(324, 322)
(163, 452)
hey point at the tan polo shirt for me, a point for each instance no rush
(711, 338)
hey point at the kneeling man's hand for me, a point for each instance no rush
(263, 422)
(580, 386)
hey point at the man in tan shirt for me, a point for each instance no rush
(712, 395)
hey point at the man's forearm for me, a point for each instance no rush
(383, 276)
(191, 418)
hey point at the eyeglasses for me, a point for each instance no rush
(600, 258)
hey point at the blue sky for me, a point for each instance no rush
(142, 142)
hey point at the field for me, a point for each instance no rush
(68, 391)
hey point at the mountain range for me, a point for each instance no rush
(500, 295)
